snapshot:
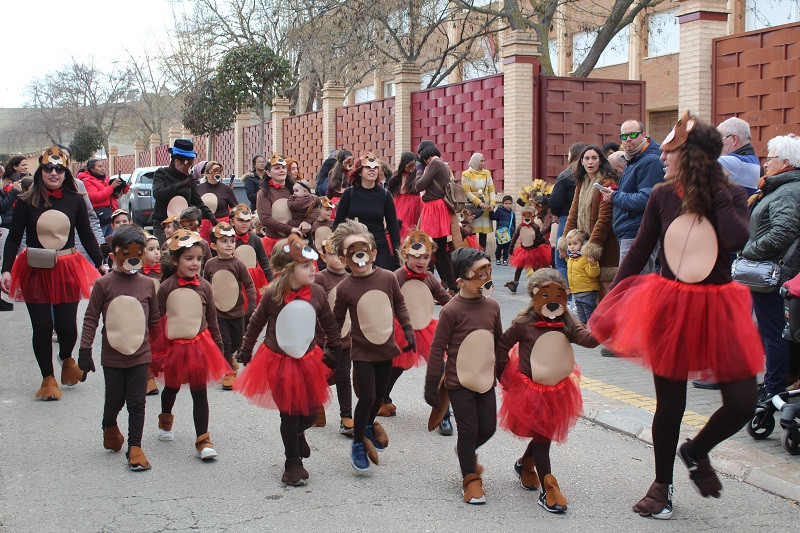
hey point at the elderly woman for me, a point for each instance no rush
(774, 229)
(479, 188)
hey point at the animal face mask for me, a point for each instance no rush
(418, 243)
(184, 238)
(550, 300)
(55, 156)
(299, 250)
(480, 280)
(129, 258)
(242, 212)
(527, 216)
(359, 253)
(223, 229)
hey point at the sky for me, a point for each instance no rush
(92, 28)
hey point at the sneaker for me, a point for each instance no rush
(49, 390)
(387, 409)
(369, 433)
(6, 306)
(205, 450)
(446, 427)
(358, 458)
(70, 373)
(293, 473)
(512, 286)
(152, 387)
(497, 262)
(112, 438)
(505, 263)
(657, 502)
(555, 508)
(605, 352)
(528, 479)
(706, 385)
(137, 461)
(551, 498)
(227, 381)
(472, 489)
(700, 471)
(347, 426)
(165, 433)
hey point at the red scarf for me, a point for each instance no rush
(275, 185)
(244, 238)
(184, 282)
(413, 275)
(304, 293)
(155, 268)
(551, 325)
(58, 193)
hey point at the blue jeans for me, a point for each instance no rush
(768, 307)
(561, 264)
(585, 304)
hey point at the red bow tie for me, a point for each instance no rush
(304, 293)
(244, 238)
(58, 193)
(184, 282)
(154, 268)
(551, 325)
(413, 275)
(275, 185)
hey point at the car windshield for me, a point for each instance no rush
(146, 178)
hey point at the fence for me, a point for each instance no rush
(302, 136)
(367, 127)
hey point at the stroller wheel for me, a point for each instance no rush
(791, 441)
(761, 425)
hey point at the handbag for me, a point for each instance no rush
(502, 235)
(453, 194)
(42, 257)
(760, 276)
(104, 215)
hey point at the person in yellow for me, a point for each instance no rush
(479, 189)
(584, 275)
(536, 188)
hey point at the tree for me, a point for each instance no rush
(85, 143)
(205, 113)
(251, 76)
(157, 104)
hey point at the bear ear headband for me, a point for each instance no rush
(184, 238)
(242, 212)
(277, 159)
(299, 250)
(55, 156)
(677, 137)
(223, 229)
(418, 243)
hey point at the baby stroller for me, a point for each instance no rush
(787, 403)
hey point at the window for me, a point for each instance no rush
(388, 89)
(483, 63)
(552, 46)
(365, 94)
(663, 34)
(615, 53)
(766, 13)
(428, 76)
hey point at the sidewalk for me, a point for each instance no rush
(619, 395)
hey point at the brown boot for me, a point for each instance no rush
(321, 420)
(380, 434)
(293, 472)
(387, 409)
(165, 427)
(526, 470)
(227, 381)
(372, 452)
(472, 489)
(235, 364)
(551, 498)
(112, 438)
(657, 502)
(152, 388)
(49, 389)
(205, 450)
(136, 459)
(70, 373)
(347, 426)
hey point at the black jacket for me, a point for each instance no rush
(562, 194)
(167, 185)
(7, 206)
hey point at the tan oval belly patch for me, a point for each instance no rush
(211, 201)
(52, 229)
(156, 282)
(176, 206)
(226, 290)
(125, 324)
(552, 358)
(691, 248)
(295, 328)
(280, 211)
(332, 301)
(322, 233)
(527, 236)
(184, 314)
(419, 302)
(375, 316)
(247, 255)
(475, 361)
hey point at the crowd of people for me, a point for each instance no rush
(338, 275)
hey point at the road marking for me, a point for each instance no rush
(637, 400)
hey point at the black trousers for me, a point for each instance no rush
(443, 264)
(372, 379)
(126, 386)
(199, 406)
(232, 332)
(46, 317)
(291, 428)
(476, 416)
(344, 387)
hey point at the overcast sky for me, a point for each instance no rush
(103, 29)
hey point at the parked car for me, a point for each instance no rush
(139, 201)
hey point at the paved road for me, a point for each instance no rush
(55, 475)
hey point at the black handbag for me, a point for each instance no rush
(104, 215)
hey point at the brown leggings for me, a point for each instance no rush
(476, 417)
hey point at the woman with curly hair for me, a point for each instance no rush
(690, 317)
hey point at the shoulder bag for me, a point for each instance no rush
(760, 276)
(502, 234)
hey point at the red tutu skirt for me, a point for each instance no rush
(472, 242)
(294, 386)
(259, 280)
(535, 258)
(424, 338)
(435, 219)
(69, 281)
(538, 411)
(269, 244)
(408, 208)
(678, 329)
(195, 361)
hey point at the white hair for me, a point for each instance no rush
(735, 126)
(786, 147)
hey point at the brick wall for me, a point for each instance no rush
(461, 119)
(661, 73)
(660, 123)
(200, 146)
(125, 163)
(302, 141)
(251, 136)
(144, 159)
(367, 127)
(162, 156)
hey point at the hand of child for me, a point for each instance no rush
(305, 226)
(592, 260)
(432, 391)
(411, 339)
(85, 361)
(245, 356)
(331, 357)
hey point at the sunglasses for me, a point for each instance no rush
(48, 168)
(632, 135)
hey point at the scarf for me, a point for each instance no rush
(58, 193)
(275, 185)
(551, 325)
(585, 198)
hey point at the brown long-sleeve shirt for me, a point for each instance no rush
(441, 296)
(267, 312)
(118, 297)
(458, 319)
(374, 301)
(226, 197)
(277, 226)
(206, 317)
(437, 171)
(222, 286)
(301, 208)
(328, 281)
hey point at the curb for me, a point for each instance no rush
(775, 475)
